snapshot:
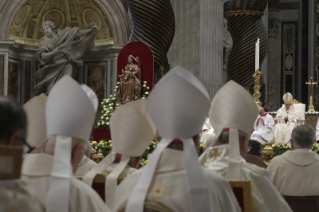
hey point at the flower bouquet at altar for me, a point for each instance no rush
(107, 107)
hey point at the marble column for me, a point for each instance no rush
(211, 44)
(4, 65)
(271, 75)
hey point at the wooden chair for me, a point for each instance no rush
(242, 192)
(153, 207)
(10, 162)
(303, 204)
(255, 160)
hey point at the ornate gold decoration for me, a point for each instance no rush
(311, 83)
(27, 25)
(257, 93)
(158, 191)
(215, 154)
(268, 153)
(294, 101)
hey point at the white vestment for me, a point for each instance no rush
(317, 131)
(85, 165)
(170, 186)
(262, 131)
(36, 172)
(282, 131)
(295, 173)
(14, 197)
(265, 197)
(126, 172)
(209, 132)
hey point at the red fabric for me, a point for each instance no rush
(100, 189)
(101, 134)
(145, 54)
(239, 194)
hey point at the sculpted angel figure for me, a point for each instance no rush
(60, 52)
(130, 85)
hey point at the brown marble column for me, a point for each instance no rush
(271, 75)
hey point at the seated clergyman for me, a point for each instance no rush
(226, 155)
(262, 127)
(294, 172)
(14, 194)
(287, 116)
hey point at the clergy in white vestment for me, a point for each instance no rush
(207, 132)
(173, 176)
(132, 131)
(227, 155)
(48, 172)
(86, 164)
(263, 127)
(296, 172)
(288, 116)
(14, 194)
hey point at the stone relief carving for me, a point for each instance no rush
(228, 44)
(61, 52)
(273, 27)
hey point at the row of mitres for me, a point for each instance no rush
(178, 106)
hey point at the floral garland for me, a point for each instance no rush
(111, 104)
(279, 149)
(103, 148)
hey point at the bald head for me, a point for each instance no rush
(13, 120)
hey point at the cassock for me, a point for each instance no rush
(170, 187)
(265, 197)
(15, 197)
(295, 173)
(262, 131)
(282, 131)
(36, 172)
(85, 165)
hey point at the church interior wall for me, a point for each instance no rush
(18, 62)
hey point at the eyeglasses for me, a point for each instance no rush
(26, 147)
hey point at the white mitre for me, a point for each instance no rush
(287, 97)
(70, 113)
(35, 110)
(178, 105)
(132, 131)
(232, 109)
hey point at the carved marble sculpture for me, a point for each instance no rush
(61, 52)
(130, 85)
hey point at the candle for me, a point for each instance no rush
(257, 55)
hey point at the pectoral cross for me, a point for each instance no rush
(311, 83)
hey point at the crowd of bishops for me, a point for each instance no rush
(175, 178)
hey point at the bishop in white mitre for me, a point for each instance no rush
(173, 177)
(132, 131)
(227, 155)
(263, 127)
(287, 117)
(70, 113)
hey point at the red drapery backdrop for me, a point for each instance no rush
(144, 52)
